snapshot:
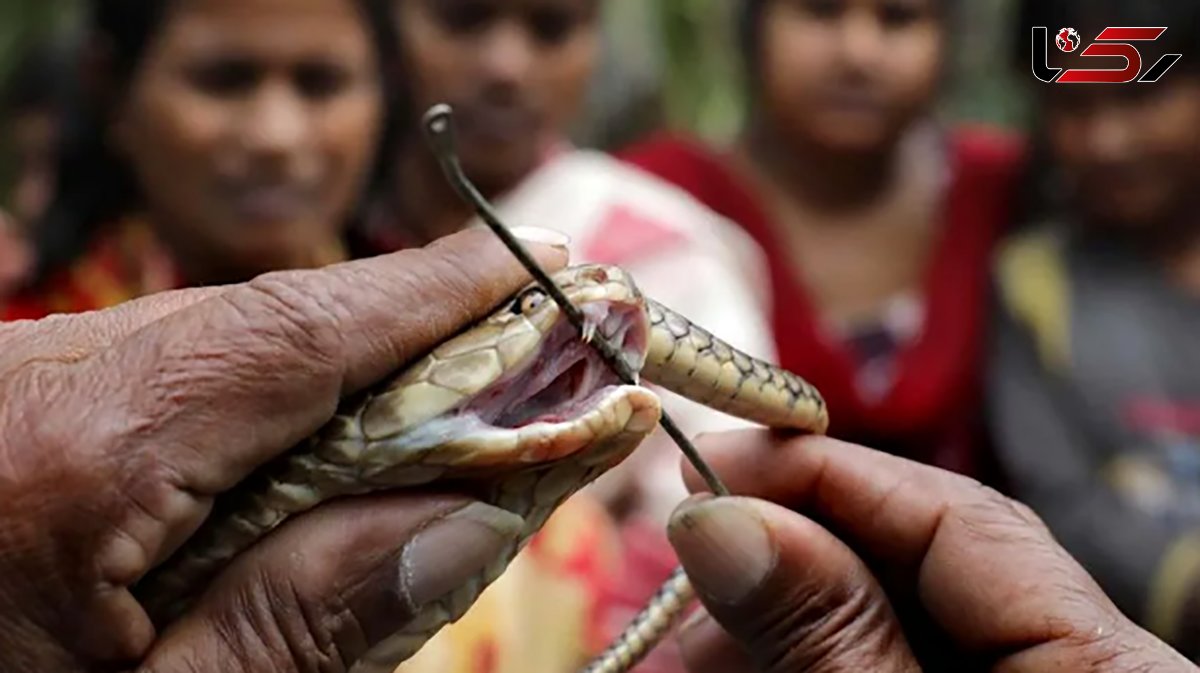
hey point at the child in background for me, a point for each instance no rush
(877, 224)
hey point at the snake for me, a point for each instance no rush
(520, 410)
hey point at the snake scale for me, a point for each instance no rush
(522, 410)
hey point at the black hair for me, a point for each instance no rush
(38, 80)
(749, 34)
(94, 186)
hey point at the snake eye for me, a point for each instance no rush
(528, 301)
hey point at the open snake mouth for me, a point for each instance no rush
(559, 400)
(566, 377)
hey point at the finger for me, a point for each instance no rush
(708, 648)
(71, 337)
(328, 586)
(882, 505)
(890, 510)
(984, 567)
(267, 361)
(188, 405)
(792, 594)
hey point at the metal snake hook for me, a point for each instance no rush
(438, 123)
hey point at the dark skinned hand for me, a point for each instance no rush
(118, 428)
(835, 558)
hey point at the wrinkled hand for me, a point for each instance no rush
(117, 429)
(869, 562)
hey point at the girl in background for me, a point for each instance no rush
(877, 223)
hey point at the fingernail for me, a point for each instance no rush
(450, 552)
(549, 237)
(724, 546)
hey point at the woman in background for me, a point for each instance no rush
(214, 141)
(1095, 365)
(877, 224)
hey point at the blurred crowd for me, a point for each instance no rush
(1015, 306)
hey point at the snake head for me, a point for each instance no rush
(519, 388)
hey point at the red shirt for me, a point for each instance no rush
(932, 410)
(122, 263)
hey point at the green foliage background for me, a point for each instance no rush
(24, 21)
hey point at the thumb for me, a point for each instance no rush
(358, 584)
(786, 593)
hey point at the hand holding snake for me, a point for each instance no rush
(120, 427)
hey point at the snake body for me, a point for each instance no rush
(522, 411)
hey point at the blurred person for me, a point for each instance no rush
(31, 104)
(1095, 365)
(211, 141)
(877, 223)
(516, 73)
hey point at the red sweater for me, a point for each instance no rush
(933, 410)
